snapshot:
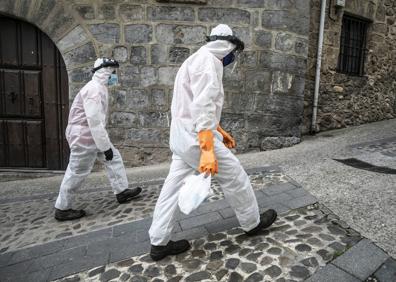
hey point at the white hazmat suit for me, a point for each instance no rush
(88, 139)
(196, 105)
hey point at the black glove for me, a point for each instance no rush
(109, 154)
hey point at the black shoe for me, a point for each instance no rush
(266, 219)
(172, 248)
(69, 214)
(128, 194)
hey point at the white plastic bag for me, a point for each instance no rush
(195, 190)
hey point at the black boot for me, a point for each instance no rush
(69, 214)
(172, 248)
(266, 219)
(128, 194)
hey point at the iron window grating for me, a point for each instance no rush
(353, 45)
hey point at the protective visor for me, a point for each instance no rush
(106, 63)
(239, 45)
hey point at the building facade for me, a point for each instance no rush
(268, 98)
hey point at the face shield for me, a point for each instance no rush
(108, 63)
(234, 54)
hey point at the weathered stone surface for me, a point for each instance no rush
(80, 55)
(284, 42)
(160, 13)
(110, 274)
(106, 12)
(120, 53)
(224, 15)
(232, 263)
(198, 276)
(159, 54)
(271, 143)
(166, 75)
(87, 12)
(286, 20)
(105, 33)
(130, 12)
(178, 55)
(138, 55)
(75, 37)
(138, 33)
(299, 272)
(263, 39)
(273, 271)
(180, 34)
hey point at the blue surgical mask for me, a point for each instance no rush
(113, 79)
(228, 59)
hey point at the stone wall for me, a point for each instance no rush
(352, 100)
(264, 96)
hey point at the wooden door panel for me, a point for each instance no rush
(34, 136)
(9, 35)
(16, 143)
(31, 81)
(13, 96)
(29, 45)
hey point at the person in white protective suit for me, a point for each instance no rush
(88, 140)
(199, 143)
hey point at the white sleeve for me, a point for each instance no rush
(95, 117)
(206, 88)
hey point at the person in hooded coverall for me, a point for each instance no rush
(88, 140)
(199, 143)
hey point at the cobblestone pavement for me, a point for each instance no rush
(30, 223)
(291, 250)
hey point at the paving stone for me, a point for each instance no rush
(336, 230)
(362, 259)
(199, 220)
(248, 267)
(137, 268)
(326, 237)
(216, 255)
(214, 265)
(311, 262)
(138, 278)
(387, 271)
(232, 263)
(110, 274)
(235, 277)
(124, 277)
(331, 273)
(325, 255)
(254, 277)
(152, 271)
(273, 271)
(303, 248)
(96, 271)
(299, 272)
(274, 251)
(337, 246)
(198, 276)
(221, 273)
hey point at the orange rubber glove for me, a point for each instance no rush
(208, 161)
(228, 141)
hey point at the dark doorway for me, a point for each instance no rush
(33, 98)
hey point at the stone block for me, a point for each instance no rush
(148, 76)
(180, 34)
(138, 33)
(129, 12)
(280, 4)
(7, 6)
(286, 20)
(301, 46)
(137, 99)
(248, 58)
(80, 55)
(387, 272)
(232, 122)
(129, 76)
(41, 14)
(190, 234)
(224, 15)
(278, 61)
(105, 33)
(159, 99)
(251, 3)
(168, 13)
(272, 143)
(243, 33)
(59, 23)
(167, 75)
(120, 53)
(159, 54)
(75, 37)
(178, 55)
(143, 137)
(121, 119)
(138, 55)
(284, 42)
(199, 220)
(362, 259)
(222, 225)
(106, 12)
(301, 202)
(80, 75)
(87, 12)
(281, 82)
(263, 39)
(154, 119)
(258, 81)
(330, 273)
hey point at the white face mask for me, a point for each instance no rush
(113, 79)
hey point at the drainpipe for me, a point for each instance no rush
(318, 66)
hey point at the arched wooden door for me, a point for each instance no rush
(33, 98)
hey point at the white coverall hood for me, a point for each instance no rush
(101, 75)
(220, 48)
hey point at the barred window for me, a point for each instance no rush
(353, 45)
